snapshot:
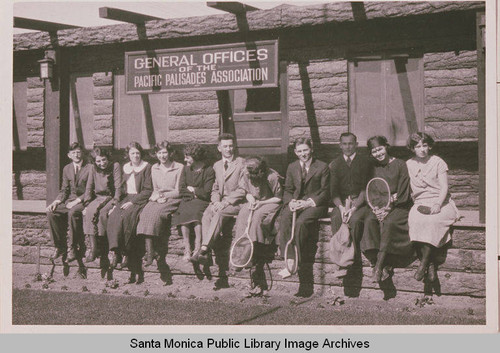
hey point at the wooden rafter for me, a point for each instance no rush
(112, 13)
(234, 7)
(37, 25)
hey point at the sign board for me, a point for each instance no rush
(217, 67)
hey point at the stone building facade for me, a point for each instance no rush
(425, 58)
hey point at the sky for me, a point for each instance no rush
(86, 14)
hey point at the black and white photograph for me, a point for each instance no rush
(257, 164)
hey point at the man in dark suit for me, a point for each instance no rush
(65, 212)
(306, 191)
(349, 174)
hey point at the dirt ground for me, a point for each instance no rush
(328, 305)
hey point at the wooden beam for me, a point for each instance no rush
(234, 7)
(481, 111)
(112, 13)
(37, 25)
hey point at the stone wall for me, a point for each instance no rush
(193, 117)
(103, 108)
(451, 95)
(317, 82)
(28, 175)
(35, 112)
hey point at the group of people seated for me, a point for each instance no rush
(127, 211)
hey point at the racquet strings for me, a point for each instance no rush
(377, 193)
(242, 252)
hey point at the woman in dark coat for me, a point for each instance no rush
(102, 193)
(195, 188)
(394, 238)
(122, 222)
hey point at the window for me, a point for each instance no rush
(257, 100)
(81, 110)
(386, 97)
(141, 118)
(19, 115)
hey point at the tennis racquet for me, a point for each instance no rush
(378, 197)
(291, 250)
(242, 250)
(378, 194)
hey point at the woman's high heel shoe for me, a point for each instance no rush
(420, 273)
(431, 273)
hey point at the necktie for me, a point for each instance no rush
(77, 169)
(348, 161)
(225, 165)
(304, 171)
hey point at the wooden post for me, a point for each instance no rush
(56, 123)
(481, 64)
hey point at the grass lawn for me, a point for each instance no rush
(34, 307)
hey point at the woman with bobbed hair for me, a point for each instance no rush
(137, 187)
(264, 194)
(164, 200)
(433, 211)
(393, 240)
(195, 189)
(102, 193)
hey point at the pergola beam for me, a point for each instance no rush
(37, 25)
(111, 13)
(233, 7)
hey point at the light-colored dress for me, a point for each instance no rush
(165, 188)
(424, 178)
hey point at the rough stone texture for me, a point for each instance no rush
(103, 137)
(451, 112)
(324, 133)
(103, 122)
(103, 109)
(332, 84)
(102, 79)
(463, 183)
(453, 130)
(35, 108)
(29, 236)
(193, 136)
(29, 185)
(35, 112)
(321, 117)
(36, 94)
(319, 70)
(465, 200)
(321, 101)
(103, 92)
(451, 94)
(469, 239)
(193, 122)
(35, 82)
(449, 77)
(193, 108)
(282, 17)
(450, 60)
(192, 96)
(29, 221)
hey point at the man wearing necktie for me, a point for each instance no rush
(65, 212)
(306, 191)
(349, 174)
(226, 199)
